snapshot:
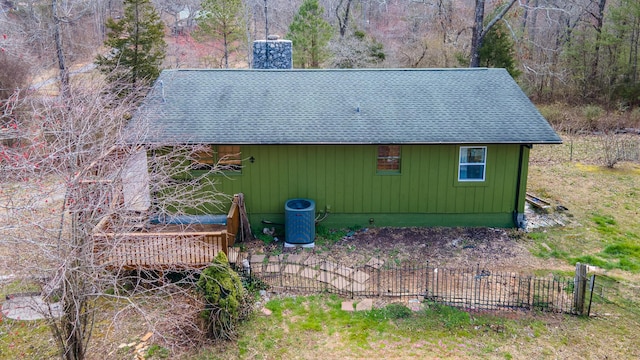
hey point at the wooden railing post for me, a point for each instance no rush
(579, 288)
(233, 223)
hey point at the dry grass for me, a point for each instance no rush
(587, 118)
(604, 202)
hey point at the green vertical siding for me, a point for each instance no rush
(523, 181)
(344, 177)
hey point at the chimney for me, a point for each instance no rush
(272, 53)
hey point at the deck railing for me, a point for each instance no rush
(159, 251)
(162, 250)
(233, 222)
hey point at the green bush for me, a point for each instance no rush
(592, 114)
(224, 297)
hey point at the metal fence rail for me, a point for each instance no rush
(483, 289)
(472, 288)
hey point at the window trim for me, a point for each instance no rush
(483, 163)
(391, 159)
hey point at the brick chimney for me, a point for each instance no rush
(272, 53)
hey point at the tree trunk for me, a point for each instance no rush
(479, 32)
(476, 34)
(136, 32)
(343, 20)
(596, 56)
(57, 36)
(633, 50)
(525, 15)
(532, 24)
(226, 49)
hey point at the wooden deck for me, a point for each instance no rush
(176, 247)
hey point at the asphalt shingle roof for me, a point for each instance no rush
(362, 106)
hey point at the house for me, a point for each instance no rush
(371, 147)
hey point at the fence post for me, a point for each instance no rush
(530, 296)
(426, 282)
(281, 270)
(379, 273)
(579, 288)
(592, 284)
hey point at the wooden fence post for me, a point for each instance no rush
(579, 288)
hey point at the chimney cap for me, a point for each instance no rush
(273, 37)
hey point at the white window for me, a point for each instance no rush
(473, 163)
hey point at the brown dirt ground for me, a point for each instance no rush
(491, 248)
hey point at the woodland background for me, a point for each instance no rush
(570, 51)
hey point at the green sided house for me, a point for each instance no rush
(371, 147)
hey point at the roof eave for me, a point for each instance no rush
(523, 142)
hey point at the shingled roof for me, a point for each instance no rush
(360, 106)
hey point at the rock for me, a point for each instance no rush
(30, 307)
(364, 305)
(415, 305)
(347, 306)
(266, 311)
(146, 336)
(594, 269)
(375, 263)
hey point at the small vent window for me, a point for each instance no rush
(388, 159)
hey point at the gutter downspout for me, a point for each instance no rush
(519, 219)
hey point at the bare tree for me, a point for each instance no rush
(549, 31)
(15, 65)
(79, 163)
(356, 50)
(181, 14)
(57, 34)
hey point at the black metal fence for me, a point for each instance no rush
(473, 288)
